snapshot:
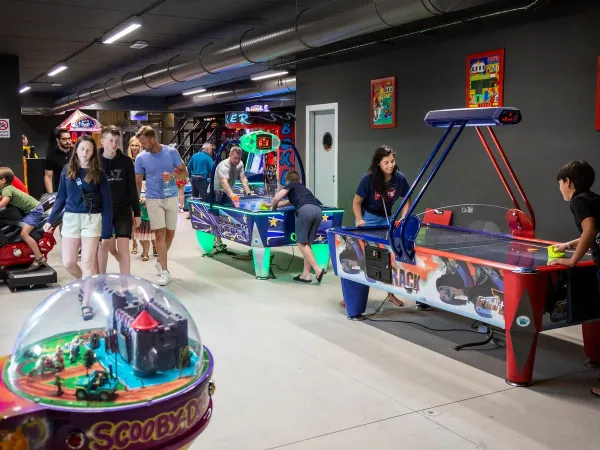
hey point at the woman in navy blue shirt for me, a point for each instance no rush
(86, 220)
(377, 192)
(379, 189)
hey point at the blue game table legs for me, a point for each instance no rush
(262, 262)
(355, 297)
(321, 252)
(206, 241)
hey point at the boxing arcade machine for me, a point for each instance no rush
(136, 376)
(259, 118)
(502, 280)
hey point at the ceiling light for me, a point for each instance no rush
(24, 88)
(121, 30)
(193, 91)
(57, 69)
(139, 44)
(268, 74)
(210, 94)
(56, 84)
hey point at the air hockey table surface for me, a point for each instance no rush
(498, 250)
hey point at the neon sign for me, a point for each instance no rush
(258, 108)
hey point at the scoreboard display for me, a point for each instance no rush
(264, 142)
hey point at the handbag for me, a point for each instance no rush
(92, 200)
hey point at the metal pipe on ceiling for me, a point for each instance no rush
(313, 27)
(242, 91)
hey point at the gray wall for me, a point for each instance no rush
(11, 153)
(550, 74)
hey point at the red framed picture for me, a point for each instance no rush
(485, 79)
(598, 97)
(383, 103)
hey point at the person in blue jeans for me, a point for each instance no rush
(376, 194)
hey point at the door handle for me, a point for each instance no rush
(333, 179)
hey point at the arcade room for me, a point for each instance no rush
(300, 225)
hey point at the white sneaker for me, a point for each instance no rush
(158, 267)
(165, 278)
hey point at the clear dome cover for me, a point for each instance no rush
(140, 345)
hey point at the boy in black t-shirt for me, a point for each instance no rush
(308, 219)
(575, 180)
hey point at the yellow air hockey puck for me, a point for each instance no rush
(552, 254)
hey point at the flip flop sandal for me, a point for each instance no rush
(300, 280)
(320, 277)
(145, 257)
(87, 312)
(394, 302)
(597, 393)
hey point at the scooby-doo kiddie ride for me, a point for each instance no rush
(134, 377)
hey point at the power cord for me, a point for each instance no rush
(462, 330)
(289, 264)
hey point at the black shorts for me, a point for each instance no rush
(122, 222)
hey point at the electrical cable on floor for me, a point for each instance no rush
(289, 264)
(368, 317)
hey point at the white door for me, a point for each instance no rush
(323, 157)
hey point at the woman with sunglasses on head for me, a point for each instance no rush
(84, 194)
(377, 192)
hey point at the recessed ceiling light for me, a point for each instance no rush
(268, 74)
(57, 69)
(121, 30)
(24, 88)
(139, 44)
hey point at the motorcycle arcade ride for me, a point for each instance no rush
(16, 256)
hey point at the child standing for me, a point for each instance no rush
(144, 232)
(575, 181)
(33, 210)
(308, 218)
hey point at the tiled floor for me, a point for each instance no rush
(293, 373)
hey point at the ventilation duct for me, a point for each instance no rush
(313, 27)
(241, 91)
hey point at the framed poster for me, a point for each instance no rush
(485, 79)
(383, 103)
(598, 97)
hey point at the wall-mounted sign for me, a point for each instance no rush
(598, 98)
(485, 79)
(383, 103)
(258, 108)
(4, 128)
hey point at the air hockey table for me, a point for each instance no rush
(499, 279)
(250, 221)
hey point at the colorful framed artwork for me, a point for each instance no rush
(383, 103)
(485, 79)
(598, 97)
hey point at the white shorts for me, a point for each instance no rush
(163, 212)
(78, 225)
